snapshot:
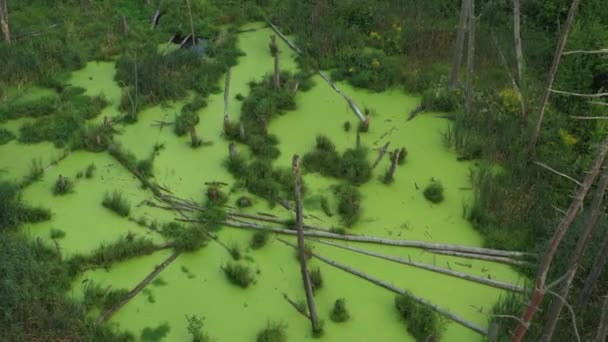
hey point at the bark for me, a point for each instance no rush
(519, 55)
(274, 51)
(481, 280)
(226, 101)
(551, 77)
(6, 32)
(397, 290)
(105, 315)
(191, 23)
(470, 58)
(602, 330)
(457, 59)
(301, 252)
(599, 262)
(541, 276)
(591, 221)
(391, 171)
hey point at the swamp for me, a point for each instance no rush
(284, 170)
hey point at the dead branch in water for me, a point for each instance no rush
(381, 154)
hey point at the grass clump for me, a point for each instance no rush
(439, 99)
(195, 328)
(349, 204)
(316, 279)
(155, 334)
(117, 203)
(190, 239)
(57, 234)
(90, 171)
(13, 212)
(422, 322)
(235, 251)
(6, 136)
(239, 274)
(339, 314)
(434, 192)
(63, 186)
(244, 202)
(273, 332)
(259, 239)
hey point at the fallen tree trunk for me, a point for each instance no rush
(481, 280)
(381, 154)
(105, 315)
(500, 259)
(399, 291)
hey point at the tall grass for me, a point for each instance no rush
(117, 203)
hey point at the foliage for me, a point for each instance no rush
(273, 332)
(238, 274)
(188, 118)
(259, 239)
(371, 69)
(57, 234)
(6, 136)
(13, 212)
(422, 322)
(434, 192)
(190, 239)
(349, 203)
(117, 203)
(195, 328)
(155, 334)
(439, 99)
(339, 313)
(244, 202)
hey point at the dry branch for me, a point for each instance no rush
(577, 94)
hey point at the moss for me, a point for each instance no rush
(434, 192)
(117, 203)
(339, 313)
(238, 274)
(422, 322)
(273, 332)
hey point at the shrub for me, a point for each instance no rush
(185, 121)
(440, 99)
(352, 165)
(244, 202)
(259, 239)
(189, 239)
(63, 186)
(349, 204)
(6, 136)
(346, 126)
(90, 172)
(274, 332)
(325, 206)
(238, 274)
(195, 328)
(316, 279)
(235, 251)
(57, 234)
(117, 203)
(339, 313)
(434, 192)
(371, 70)
(422, 322)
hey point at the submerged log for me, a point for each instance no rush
(469, 277)
(381, 154)
(105, 315)
(399, 291)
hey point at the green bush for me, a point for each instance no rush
(434, 192)
(349, 204)
(63, 186)
(189, 239)
(316, 279)
(440, 99)
(273, 332)
(339, 313)
(90, 172)
(6, 136)
(371, 70)
(238, 274)
(259, 239)
(185, 121)
(117, 203)
(57, 234)
(422, 322)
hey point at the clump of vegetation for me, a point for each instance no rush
(352, 166)
(215, 195)
(117, 203)
(90, 171)
(190, 239)
(259, 239)
(239, 274)
(244, 202)
(188, 118)
(235, 251)
(57, 234)
(63, 186)
(316, 279)
(273, 332)
(402, 156)
(307, 252)
(339, 314)
(155, 334)
(13, 212)
(422, 322)
(371, 70)
(36, 171)
(440, 99)
(195, 328)
(6, 136)
(325, 206)
(434, 192)
(239, 97)
(346, 126)
(349, 204)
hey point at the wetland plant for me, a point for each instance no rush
(434, 192)
(6, 136)
(117, 203)
(346, 126)
(215, 195)
(349, 204)
(57, 234)
(244, 202)
(402, 156)
(273, 332)
(422, 322)
(235, 251)
(325, 206)
(113, 297)
(238, 274)
(90, 171)
(35, 172)
(259, 239)
(155, 334)
(316, 279)
(352, 166)
(339, 313)
(190, 239)
(195, 328)
(63, 186)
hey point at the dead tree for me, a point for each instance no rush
(191, 23)
(599, 262)
(195, 141)
(301, 252)
(470, 58)
(6, 32)
(462, 28)
(591, 220)
(602, 330)
(563, 39)
(541, 275)
(389, 177)
(274, 51)
(519, 57)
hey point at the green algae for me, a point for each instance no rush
(397, 211)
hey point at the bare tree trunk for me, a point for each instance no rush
(274, 51)
(6, 32)
(226, 102)
(470, 58)
(541, 275)
(125, 25)
(191, 23)
(391, 171)
(519, 57)
(462, 28)
(591, 221)
(556, 59)
(301, 252)
(596, 271)
(602, 330)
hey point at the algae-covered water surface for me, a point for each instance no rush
(195, 284)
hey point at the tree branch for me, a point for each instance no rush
(567, 93)
(557, 172)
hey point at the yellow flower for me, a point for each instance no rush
(509, 100)
(567, 138)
